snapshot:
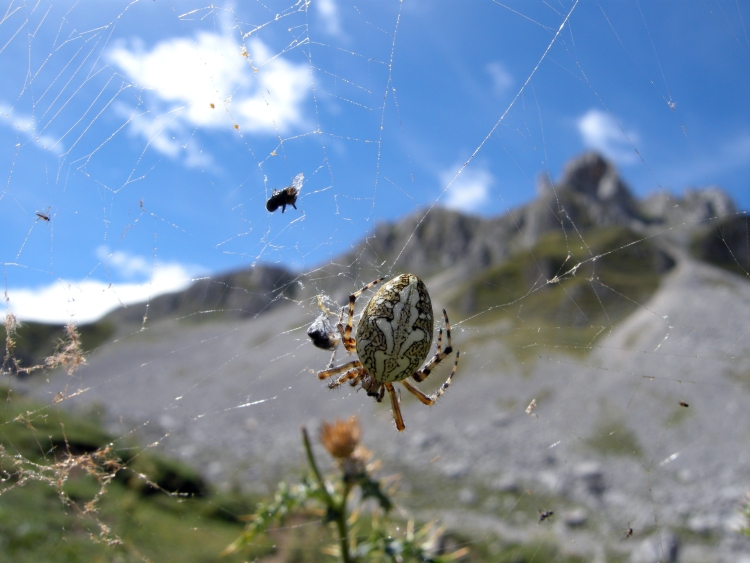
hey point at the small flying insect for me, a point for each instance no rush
(287, 196)
(43, 216)
(683, 404)
(544, 515)
(628, 532)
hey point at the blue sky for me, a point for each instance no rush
(154, 132)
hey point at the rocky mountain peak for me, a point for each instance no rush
(590, 191)
(590, 174)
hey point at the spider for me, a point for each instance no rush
(393, 338)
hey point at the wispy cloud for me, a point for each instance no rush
(260, 91)
(720, 158)
(329, 13)
(600, 131)
(501, 78)
(88, 300)
(166, 133)
(123, 263)
(26, 126)
(470, 191)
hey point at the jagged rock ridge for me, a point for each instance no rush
(589, 194)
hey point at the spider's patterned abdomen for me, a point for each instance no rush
(394, 334)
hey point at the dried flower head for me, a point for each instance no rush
(11, 325)
(68, 352)
(340, 437)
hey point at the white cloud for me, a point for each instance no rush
(470, 191)
(600, 131)
(501, 78)
(329, 13)
(88, 300)
(182, 77)
(125, 264)
(26, 126)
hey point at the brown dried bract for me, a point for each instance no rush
(341, 437)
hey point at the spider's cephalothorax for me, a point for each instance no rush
(393, 338)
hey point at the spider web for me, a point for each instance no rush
(599, 308)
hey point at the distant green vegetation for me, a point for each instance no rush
(534, 553)
(617, 272)
(615, 438)
(37, 341)
(745, 523)
(68, 495)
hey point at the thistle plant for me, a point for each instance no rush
(343, 510)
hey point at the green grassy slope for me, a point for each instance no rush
(617, 272)
(68, 494)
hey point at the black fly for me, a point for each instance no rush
(544, 515)
(287, 196)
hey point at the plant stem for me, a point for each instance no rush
(314, 467)
(339, 510)
(341, 524)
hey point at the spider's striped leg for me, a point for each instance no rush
(346, 333)
(381, 394)
(350, 343)
(440, 354)
(342, 368)
(430, 399)
(353, 376)
(394, 405)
